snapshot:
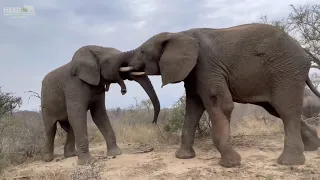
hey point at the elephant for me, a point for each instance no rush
(72, 89)
(253, 63)
(311, 105)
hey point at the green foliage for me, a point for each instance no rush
(176, 117)
(8, 103)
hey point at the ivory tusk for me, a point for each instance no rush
(138, 73)
(126, 69)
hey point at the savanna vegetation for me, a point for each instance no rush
(22, 132)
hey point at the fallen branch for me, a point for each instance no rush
(144, 151)
(206, 158)
(22, 177)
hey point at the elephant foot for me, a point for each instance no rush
(114, 151)
(291, 159)
(310, 145)
(70, 153)
(86, 160)
(230, 159)
(185, 153)
(47, 157)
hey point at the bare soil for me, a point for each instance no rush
(259, 154)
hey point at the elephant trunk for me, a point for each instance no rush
(145, 82)
(123, 59)
(129, 68)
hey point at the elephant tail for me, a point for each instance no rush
(309, 83)
(313, 89)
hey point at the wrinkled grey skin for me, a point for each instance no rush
(311, 105)
(253, 63)
(69, 91)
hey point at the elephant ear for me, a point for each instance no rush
(178, 58)
(85, 65)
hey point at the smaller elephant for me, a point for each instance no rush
(69, 91)
(311, 105)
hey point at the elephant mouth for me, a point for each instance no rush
(132, 71)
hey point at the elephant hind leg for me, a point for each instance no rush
(50, 128)
(310, 137)
(289, 110)
(69, 147)
(268, 107)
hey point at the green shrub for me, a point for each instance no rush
(176, 117)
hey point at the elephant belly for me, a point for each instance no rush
(250, 87)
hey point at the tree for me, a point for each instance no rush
(305, 20)
(8, 103)
(147, 104)
(281, 24)
(303, 23)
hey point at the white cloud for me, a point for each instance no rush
(102, 29)
(139, 25)
(142, 8)
(49, 39)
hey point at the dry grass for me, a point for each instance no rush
(128, 132)
(131, 127)
(249, 125)
(135, 133)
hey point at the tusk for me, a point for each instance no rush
(126, 69)
(138, 73)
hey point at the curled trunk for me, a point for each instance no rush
(145, 82)
(123, 59)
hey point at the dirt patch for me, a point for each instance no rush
(259, 154)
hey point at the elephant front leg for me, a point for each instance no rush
(219, 109)
(77, 115)
(69, 147)
(100, 118)
(194, 110)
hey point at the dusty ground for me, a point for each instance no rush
(259, 154)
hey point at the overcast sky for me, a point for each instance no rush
(33, 46)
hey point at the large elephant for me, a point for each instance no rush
(252, 63)
(69, 91)
(311, 105)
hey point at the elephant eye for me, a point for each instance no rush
(142, 51)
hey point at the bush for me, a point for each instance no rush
(8, 103)
(176, 119)
(18, 143)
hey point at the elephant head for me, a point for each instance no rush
(97, 65)
(171, 55)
